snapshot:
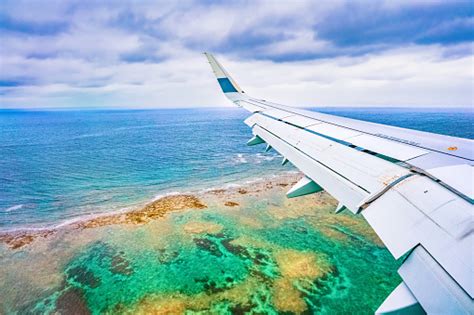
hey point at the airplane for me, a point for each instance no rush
(414, 188)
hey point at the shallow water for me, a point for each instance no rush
(264, 254)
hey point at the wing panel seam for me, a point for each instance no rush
(375, 135)
(322, 164)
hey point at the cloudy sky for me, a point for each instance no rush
(142, 54)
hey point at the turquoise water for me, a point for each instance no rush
(60, 165)
(257, 258)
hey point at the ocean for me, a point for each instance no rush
(169, 212)
(56, 166)
(60, 165)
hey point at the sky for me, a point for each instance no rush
(148, 54)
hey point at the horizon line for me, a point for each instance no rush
(468, 107)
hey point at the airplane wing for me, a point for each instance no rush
(414, 188)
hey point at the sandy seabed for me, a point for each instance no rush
(245, 249)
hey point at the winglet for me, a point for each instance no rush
(230, 88)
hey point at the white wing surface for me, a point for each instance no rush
(414, 188)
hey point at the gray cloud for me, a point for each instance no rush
(63, 53)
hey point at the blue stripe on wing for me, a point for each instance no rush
(226, 85)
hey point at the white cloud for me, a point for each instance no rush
(401, 77)
(148, 54)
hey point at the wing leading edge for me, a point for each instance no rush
(414, 188)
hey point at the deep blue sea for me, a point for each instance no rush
(57, 166)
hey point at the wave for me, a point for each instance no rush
(259, 157)
(244, 182)
(13, 208)
(110, 132)
(254, 158)
(240, 159)
(171, 193)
